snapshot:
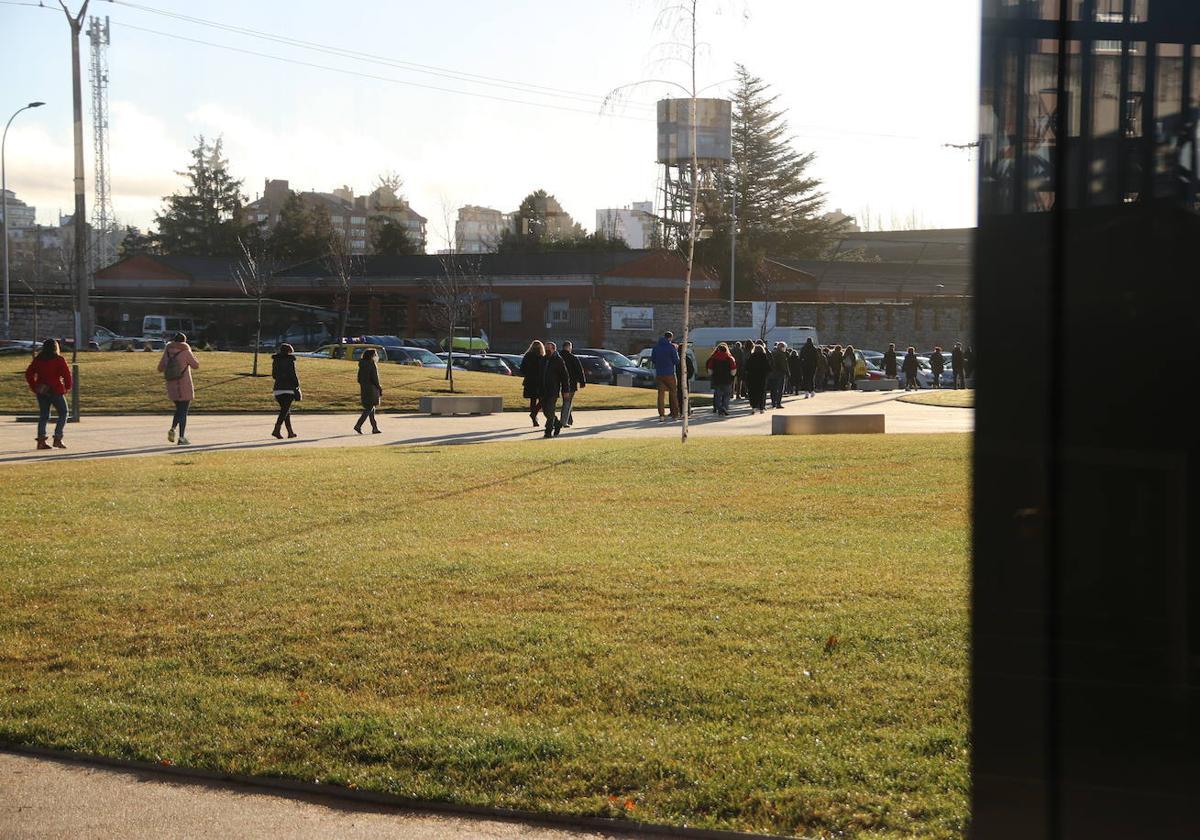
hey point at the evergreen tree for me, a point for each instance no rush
(135, 242)
(302, 232)
(778, 200)
(204, 221)
(388, 238)
(538, 222)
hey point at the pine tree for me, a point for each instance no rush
(204, 221)
(302, 232)
(388, 237)
(778, 201)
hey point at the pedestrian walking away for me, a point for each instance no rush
(287, 388)
(911, 366)
(739, 353)
(809, 358)
(49, 378)
(779, 373)
(793, 372)
(836, 371)
(665, 359)
(822, 378)
(937, 362)
(958, 366)
(758, 368)
(721, 367)
(370, 392)
(889, 362)
(531, 377)
(176, 365)
(556, 380)
(577, 382)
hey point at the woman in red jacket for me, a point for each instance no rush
(50, 378)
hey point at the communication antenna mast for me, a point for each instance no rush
(103, 250)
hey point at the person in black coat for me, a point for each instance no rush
(556, 380)
(937, 362)
(287, 388)
(911, 366)
(808, 358)
(577, 381)
(532, 364)
(739, 353)
(369, 389)
(889, 362)
(794, 375)
(758, 368)
(956, 363)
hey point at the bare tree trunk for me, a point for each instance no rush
(687, 282)
(257, 334)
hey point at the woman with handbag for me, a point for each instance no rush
(176, 366)
(287, 388)
(369, 389)
(50, 379)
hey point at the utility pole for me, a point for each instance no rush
(82, 325)
(733, 254)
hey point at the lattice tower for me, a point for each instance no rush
(103, 251)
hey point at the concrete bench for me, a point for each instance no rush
(827, 424)
(877, 384)
(461, 404)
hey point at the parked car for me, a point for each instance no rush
(416, 356)
(480, 362)
(622, 365)
(345, 351)
(513, 360)
(596, 371)
(13, 347)
(300, 337)
(947, 368)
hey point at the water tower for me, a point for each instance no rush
(714, 151)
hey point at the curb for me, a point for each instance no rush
(289, 786)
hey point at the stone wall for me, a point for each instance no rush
(52, 322)
(870, 326)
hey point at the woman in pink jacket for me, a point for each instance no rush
(176, 366)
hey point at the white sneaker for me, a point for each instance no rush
(184, 441)
(171, 436)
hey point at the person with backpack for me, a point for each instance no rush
(287, 388)
(577, 381)
(370, 392)
(49, 378)
(176, 365)
(722, 367)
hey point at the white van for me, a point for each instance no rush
(165, 326)
(705, 340)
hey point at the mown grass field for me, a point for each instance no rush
(948, 398)
(122, 383)
(761, 634)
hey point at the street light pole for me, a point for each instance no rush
(4, 199)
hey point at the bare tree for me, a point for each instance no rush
(254, 274)
(341, 263)
(453, 295)
(679, 20)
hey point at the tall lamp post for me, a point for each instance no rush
(4, 199)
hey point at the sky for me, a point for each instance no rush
(508, 98)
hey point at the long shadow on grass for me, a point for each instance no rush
(162, 450)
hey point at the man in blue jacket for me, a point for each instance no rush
(665, 358)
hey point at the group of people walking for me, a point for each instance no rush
(548, 374)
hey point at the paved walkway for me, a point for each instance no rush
(43, 799)
(126, 435)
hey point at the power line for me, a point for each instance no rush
(373, 76)
(359, 55)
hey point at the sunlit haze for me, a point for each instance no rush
(876, 89)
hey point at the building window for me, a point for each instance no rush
(559, 311)
(337, 220)
(358, 220)
(510, 312)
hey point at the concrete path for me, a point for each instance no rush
(126, 435)
(43, 799)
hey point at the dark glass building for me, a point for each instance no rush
(1086, 628)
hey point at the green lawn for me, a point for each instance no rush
(755, 633)
(120, 383)
(949, 398)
